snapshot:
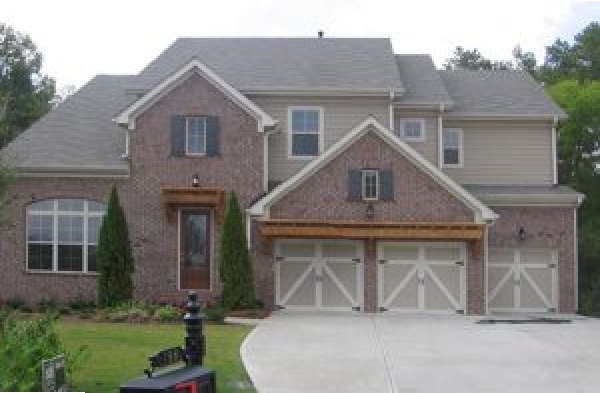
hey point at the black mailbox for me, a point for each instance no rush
(191, 378)
(188, 379)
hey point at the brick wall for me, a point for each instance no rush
(154, 238)
(545, 227)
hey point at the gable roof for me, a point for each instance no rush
(370, 124)
(78, 135)
(422, 82)
(499, 93)
(129, 114)
(284, 64)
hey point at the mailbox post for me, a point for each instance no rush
(193, 377)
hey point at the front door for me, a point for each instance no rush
(194, 249)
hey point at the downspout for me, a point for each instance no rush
(554, 151)
(391, 120)
(486, 267)
(439, 141)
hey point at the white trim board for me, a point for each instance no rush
(370, 124)
(128, 116)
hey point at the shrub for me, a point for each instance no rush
(47, 305)
(215, 312)
(81, 304)
(235, 262)
(589, 299)
(114, 256)
(15, 303)
(167, 313)
(24, 345)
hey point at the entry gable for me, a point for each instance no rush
(128, 116)
(419, 185)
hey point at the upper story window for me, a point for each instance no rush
(370, 184)
(305, 132)
(62, 235)
(195, 135)
(452, 147)
(412, 129)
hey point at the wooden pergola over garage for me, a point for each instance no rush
(403, 230)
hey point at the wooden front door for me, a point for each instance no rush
(194, 249)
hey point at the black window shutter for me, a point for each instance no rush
(177, 136)
(354, 185)
(386, 185)
(213, 130)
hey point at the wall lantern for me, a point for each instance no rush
(521, 234)
(195, 181)
(370, 211)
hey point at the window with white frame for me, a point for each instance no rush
(452, 147)
(195, 135)
(305, 127)
(412, 129)
(62, 235)
(370, 184)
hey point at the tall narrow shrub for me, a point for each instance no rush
(114, 256)
(237, 276)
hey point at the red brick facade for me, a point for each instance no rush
(239, 167)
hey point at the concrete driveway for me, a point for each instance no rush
(311, 352)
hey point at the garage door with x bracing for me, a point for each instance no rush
(421, 277)
(319, 274)
(522, 280)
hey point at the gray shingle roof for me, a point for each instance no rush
(78, 134)
(521, 193)
(497, 93)
(284, 63)
(421, 80)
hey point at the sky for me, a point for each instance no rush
(80, 39)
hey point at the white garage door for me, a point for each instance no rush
(422, 277)
(319, 274)
(522, 280)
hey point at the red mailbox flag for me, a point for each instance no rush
(187, 387)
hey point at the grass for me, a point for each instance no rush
(119, 352)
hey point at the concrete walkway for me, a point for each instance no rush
(329, 352)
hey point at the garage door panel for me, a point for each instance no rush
(501, 256)
(400, 252)
(298, 250)
(435, 299)
(319, 274)
(405, 298)
(450, 277)
(442, 253)
(521, 279)
(339, 250)
(305, 295)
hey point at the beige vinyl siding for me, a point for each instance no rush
(428, 148)
(340, 116)
(504, 152)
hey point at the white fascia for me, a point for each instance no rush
(128, 116)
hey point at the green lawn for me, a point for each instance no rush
(119, 352)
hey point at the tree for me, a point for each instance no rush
(580, 60)
(6, 176)
(235, 263)
(25, 92)
(472, 59)
(114, 256)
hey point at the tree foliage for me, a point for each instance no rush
(25, 92)
(235, 263)
(114, 256)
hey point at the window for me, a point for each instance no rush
(305, 129)
(62, 235)
(370, 184)
(452, 141)
(195, 136)
(412, 129)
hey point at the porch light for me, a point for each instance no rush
(195, 181)
(521, 234)
(370, 212)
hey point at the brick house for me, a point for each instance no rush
(371, 181)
